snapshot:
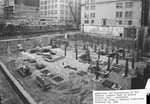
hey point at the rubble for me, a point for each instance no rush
(66, 72)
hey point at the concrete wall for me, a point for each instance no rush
(24, 96)
(27, 44)
(113, 31)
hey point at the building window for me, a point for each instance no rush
(52, 6)
(62, 11)
(41, 7)
(129, 22)
(104, 21)
(49, 12)
(120, 22)
(92, 1)
(86, 7)
(93, 7)
(66, 6)
(55, 5)
(92, 15)
(118, 14)
(42, 2)
(66, 12)
(61, 5)
(41, 12)
(55, 11)
(62, 18)
(129, 4)
(86, 21)
(85, 15)
(128, 14)
(45, 2)
(55, 0)
(66, 1)
(92, 21)
(66, 18)
(86, 1)
(45, 7)
(52, 12)
(45, 12)
(62, 1)
(119, 5)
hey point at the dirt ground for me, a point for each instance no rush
(76, 89)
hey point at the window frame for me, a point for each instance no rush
(119, 14)
(128, 4)
(119, 5)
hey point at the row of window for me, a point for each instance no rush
(128, 14)
(54, 6)
(126, 22)
(87, 21)
(88, 1)
(118, 5)
(119, 22)
(52, 1)
(61, 18)
(92, 15)
(127, 5)
(56, 12)
(63, 1)
(92, 7)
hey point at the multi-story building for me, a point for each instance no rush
(60, 10)
(1, 10)
(21, 9)
(33, 3)
(112, 12)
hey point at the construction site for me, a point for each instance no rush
(66, 68)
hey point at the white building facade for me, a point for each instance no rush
(59, 10)
(111, 12)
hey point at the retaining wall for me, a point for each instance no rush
(26, 43)
(24, 96)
